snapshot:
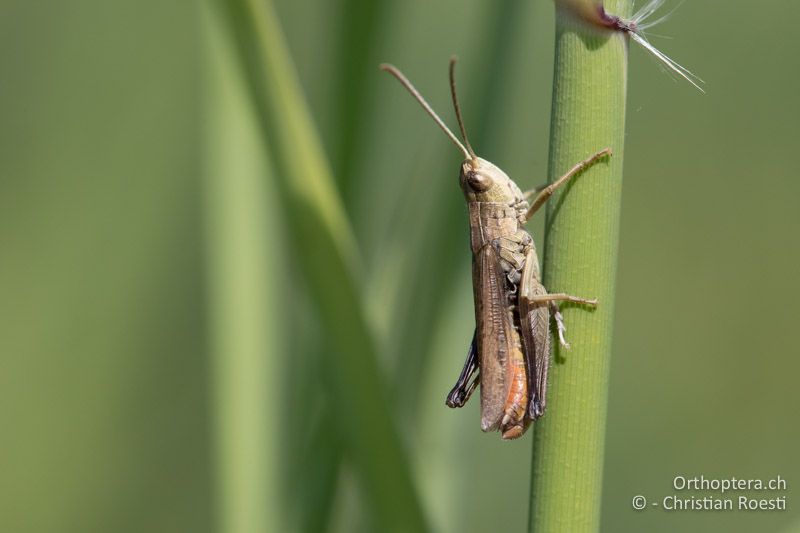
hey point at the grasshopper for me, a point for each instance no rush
(510, 351)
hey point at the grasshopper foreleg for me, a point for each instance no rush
(545, 193)
(532, 192)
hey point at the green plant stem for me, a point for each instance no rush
(324, 247)
(244, 323)
(582, 229)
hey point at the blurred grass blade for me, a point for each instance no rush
(325, 248)
(582, 234)
(244, 322)
(359, 24)
(358, 27)
(319, 477)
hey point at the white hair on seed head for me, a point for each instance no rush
(593, 12)
(679, 69)
(635, 28)
(646, 11)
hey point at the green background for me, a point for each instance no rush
(122, 292)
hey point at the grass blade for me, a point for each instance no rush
(244, 321)
(582, 230)
(360, 25)
(325, 248)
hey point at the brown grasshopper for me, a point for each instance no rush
(510, 348)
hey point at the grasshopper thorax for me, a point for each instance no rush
(482, 181)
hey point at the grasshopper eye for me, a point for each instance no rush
(478, 182)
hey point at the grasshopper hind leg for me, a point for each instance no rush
(464, 388)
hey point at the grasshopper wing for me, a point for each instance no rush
(535, 327)
(495, 335)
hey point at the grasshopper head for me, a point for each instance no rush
(482, 181)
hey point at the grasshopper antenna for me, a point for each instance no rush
(457, 107)
(394, 71)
